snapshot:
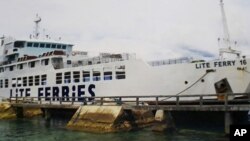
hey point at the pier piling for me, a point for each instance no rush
(19, 112)
(47, 114)
(228, 122)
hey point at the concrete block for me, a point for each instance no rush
(99, 119)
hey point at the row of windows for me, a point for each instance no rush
(85, 76)
(36, 80)
(32, 64)
(2, 84)
(46, 45)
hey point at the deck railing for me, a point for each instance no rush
(157, 100)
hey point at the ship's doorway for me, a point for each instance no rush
(57, 63)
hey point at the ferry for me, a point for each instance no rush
(42, 67)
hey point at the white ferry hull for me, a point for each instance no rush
(140, 79)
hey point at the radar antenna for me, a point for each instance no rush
(37, 21)
(226, 39)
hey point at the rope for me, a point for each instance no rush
(187, 87)
(246, 71)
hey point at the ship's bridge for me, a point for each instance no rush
(36, 47)
(13, 49)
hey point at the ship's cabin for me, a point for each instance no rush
(13, 49)
(51, 59)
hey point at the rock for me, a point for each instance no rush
(6, 111)
(143, 118)
(32, 112)
(160, 127)
(163, 122)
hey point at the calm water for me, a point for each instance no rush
(38, 129)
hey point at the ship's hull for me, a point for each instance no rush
(140, 79)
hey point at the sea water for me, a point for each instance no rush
(39, 129)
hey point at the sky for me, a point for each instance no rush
(153, 29)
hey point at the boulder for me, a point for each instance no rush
(6, 111)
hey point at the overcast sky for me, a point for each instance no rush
(153, 29)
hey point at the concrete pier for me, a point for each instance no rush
(103, 119)
(97, 119)
(132, 112)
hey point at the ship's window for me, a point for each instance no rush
(24, 81)
(120, 75)
(45, 62)
(57, 63)
(1, 70)
(42, 45)
(59, 78)
(11, 68)
(32, 64)
(48, 45)
(19, 82)
(30, 80)
(89, 62)
(20, 66)
(67, 77)
(64, 47)
(29, 44)
(96, 76)
(6, 83)
(37, 80)
(13, 82)
(76, 76)
(108, 75)
(120, 72)
(86, 76)
(53, 46)
(19, 44)
(1, 83)
(36, 44)
(44, 79)
(69, 62)
(59, 46)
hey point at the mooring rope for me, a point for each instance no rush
(187, 87)
(246, 71)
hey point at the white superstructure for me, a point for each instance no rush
(45, 68)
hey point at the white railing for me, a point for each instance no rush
(170, 61)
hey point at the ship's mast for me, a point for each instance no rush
(227, 42)
(225, 26)
(37, 21)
